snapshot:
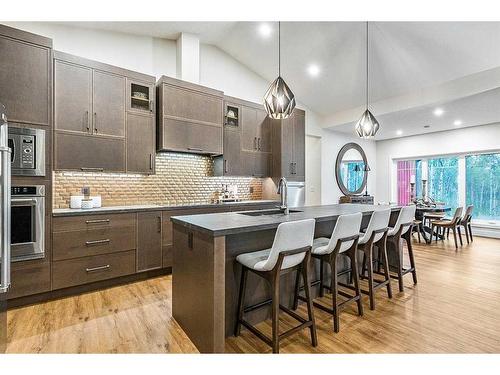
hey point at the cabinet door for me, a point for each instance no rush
(140, 97)
(299, 134)
(232, 154)
(191, 137)
(140, 143)
(88, 153)
(287, 144)
(25, 81)
(264, 135)
(249, 129)
(73, 97)
(149, 252)
(261, 161)
(109, 104)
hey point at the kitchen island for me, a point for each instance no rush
(205, 276)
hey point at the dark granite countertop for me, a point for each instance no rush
(221, 224)
(151, 207)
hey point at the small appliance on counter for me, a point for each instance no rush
(85, 201)
(228, 193)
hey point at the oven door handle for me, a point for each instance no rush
(19, 202)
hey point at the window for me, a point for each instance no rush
(443, 181)
(455, 181)
(482, 179)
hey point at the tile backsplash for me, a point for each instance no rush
(179, 179)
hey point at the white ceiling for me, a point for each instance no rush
(405, 58)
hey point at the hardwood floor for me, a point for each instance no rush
(455, 308)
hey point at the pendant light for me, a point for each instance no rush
(279, 100)
(367, 126)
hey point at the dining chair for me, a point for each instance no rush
(466, 223)
(452, 224)
(291, 251)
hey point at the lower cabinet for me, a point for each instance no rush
(149, 246)
(29, 277)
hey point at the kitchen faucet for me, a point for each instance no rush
(283, 191)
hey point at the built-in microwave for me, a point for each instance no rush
(28, 151)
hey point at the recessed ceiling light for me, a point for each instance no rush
(427, 126)
(438, 112)
(399, 132)
(265, 30)
(313, 70)
(457, 122)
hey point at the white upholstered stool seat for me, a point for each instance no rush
(257, 260)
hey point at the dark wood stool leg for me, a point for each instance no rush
(460, 235)
(399, 256)
(241, 298)
(412, 261)
(383, 249)
(275, 313)
(371, 290)
(355, 276)
(448, 233)
(418, 233)
(310, 311)
(334, 290)
(297, 288)
(321, 277)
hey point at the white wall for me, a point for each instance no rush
(144, 54)
(457, 141)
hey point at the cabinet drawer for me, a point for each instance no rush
(79, 271)
(76, 244)
(90, 222)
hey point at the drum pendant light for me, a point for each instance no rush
(367, 126)
(279, 100)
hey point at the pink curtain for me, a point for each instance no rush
(406, 169)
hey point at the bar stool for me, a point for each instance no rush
(291, 251)
(344, 240)
(403, 229)
(375, 235)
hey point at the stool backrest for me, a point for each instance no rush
(406, 215)
(379, 220)
(290, 236)
(346, 226)
(458, 215)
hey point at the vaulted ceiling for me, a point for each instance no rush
(414, 66)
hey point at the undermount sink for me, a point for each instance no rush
(266, 212)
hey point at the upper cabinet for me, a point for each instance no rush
(190, 117)
(26, 70)
(105, 112)
(289, 147)
(247, 140)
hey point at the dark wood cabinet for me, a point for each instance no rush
(189, 118)
(75, 82)
(104, 117)
(108, 104)
(26, 76)
(289, 147)
(29, 277)
(149, 240)
(141, 148)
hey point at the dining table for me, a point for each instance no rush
(424, 229)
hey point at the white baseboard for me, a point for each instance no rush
(482, 231)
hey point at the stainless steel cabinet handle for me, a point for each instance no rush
(95, 121)
(99, 221)
(151, 161)
(92, 169)
(291, 168)
(159, 224)
(100, 268)
(258, 143)
(150, 106)
(255, 143)
(88, 120)
(194, 149)
(96, 242)
(225, 166)
(5, 155)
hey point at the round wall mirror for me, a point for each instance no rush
(351, 169)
